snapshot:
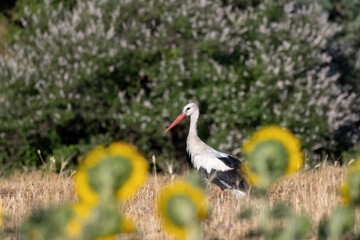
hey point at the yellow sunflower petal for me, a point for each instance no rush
(122, 149)
(345, 194)
(252, 177)
(83, 189)
(355, 166)
(73, 228)
(349, 189)
(82, 209)
(93, 157)
(127, 225)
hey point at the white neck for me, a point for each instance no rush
(194, 143)
(193, 122)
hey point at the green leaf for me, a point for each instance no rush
(280, 210)
(297, 227)
(340, 222)
(245, 214)
(104, 220)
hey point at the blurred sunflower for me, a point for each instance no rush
(350, 189)
(118, 170)
(181, 206)
(270, 153)
(139, 168)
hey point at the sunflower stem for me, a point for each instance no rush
(194, 231)
(155, 175)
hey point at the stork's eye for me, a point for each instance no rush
(187, 109)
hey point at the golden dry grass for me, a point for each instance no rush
(313, 193)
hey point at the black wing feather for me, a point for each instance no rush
(226, 179)
(230, 161)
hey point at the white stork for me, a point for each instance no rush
(217, 167)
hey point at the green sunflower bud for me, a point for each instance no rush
(108, 175)
(268, 161)
(181, 210)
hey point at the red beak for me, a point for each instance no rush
(176, 121)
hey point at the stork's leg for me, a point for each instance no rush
(222, 195)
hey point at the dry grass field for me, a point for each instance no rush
(313, 193)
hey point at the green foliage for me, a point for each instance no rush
(194, 179)
(347, 13)
(354, 183)
(245, 214)
(13, 13)
(64, 154)
(125, 69)
(22, 6)
(280, 223)
(297, 228)
(280, 211)
(341, 221)
(46, 224)
(352, 154)
(104, 220)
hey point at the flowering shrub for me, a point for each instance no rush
(346, 57)
(346, 44)
(120, 69)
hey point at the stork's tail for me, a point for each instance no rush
(238, 194)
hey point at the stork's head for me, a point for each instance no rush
(188, 110)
